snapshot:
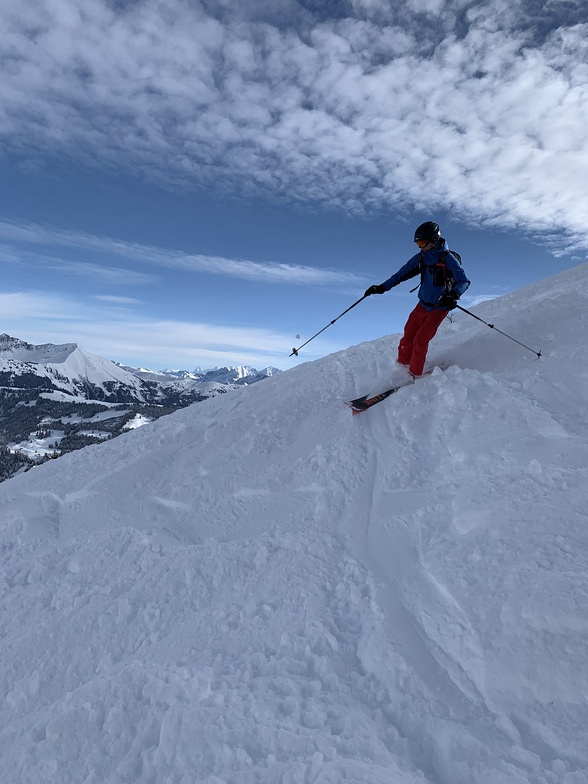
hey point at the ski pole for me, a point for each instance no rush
(499, 330)
(330, 324)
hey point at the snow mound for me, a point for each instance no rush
(261, 588)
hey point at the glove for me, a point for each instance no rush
(377, 289)
(449, 300)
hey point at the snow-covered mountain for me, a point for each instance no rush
(68, 368)
(262, 588)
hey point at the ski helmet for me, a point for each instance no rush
(427, 231)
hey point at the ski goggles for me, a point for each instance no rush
(422, 243)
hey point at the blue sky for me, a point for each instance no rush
(191, 183)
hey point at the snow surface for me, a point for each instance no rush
(64, 397)
(264, 589)
(137, 421)
(35, 447)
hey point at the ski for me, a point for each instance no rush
(361, 404)
(367, 401)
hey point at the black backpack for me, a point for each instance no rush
(441, 275)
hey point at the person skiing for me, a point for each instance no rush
(443, 281)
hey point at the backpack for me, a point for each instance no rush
(441, 275)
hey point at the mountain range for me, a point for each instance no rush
(209, 382)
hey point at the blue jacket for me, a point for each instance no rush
(434, 277)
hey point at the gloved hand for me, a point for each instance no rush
(449, 300)
(377, 289)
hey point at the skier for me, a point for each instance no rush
(443, 281)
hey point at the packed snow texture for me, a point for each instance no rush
(263, 589)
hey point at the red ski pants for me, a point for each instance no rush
(421, 326)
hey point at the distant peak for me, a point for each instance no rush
(7, 342)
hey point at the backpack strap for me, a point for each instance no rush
(422, 268)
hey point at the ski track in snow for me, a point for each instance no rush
(263, 589)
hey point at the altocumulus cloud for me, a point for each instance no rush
(360, 106)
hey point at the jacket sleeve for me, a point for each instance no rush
(410, 270)
(461, 280)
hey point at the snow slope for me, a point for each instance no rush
(262, 588)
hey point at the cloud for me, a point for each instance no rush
(114, 300)
(480, 108)
(83, 269)
(38, 305)
(116, 334)
(33, 234)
